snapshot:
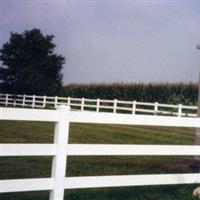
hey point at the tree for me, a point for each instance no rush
(29, 64)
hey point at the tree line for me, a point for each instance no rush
(175, 93)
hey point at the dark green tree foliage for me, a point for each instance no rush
(30, 65)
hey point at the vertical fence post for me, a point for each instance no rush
(60, 160)
(179, 110)
(115, 106)
(98, 104)
(6, 104)
(33, 101)
(82, 104)
(68, 101)
(44, 101)
(14, 100)
(23, 100)
(155, 108)
(56, 101)
(134, 108)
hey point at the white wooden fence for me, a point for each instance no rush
(60, 149)
(98, 105)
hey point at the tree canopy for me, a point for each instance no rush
(29, 64)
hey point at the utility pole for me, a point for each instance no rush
(197, 138)
(196, 163)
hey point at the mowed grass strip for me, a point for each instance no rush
(37, 167)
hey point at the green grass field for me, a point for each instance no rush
(37, 167)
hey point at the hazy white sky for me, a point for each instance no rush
(114, 41)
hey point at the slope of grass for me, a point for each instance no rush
(34, 167)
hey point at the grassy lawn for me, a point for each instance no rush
(37, 167)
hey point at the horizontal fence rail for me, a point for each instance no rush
(32, 115)
(38, 184)
(98, 105)
(130, 180)
(99, 150)
(23, 185)
(110, 118)
(60, 149)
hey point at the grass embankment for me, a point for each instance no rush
(37, 167)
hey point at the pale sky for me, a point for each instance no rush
(114, 41)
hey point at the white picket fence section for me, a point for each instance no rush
(98, 105)
(60, 149)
